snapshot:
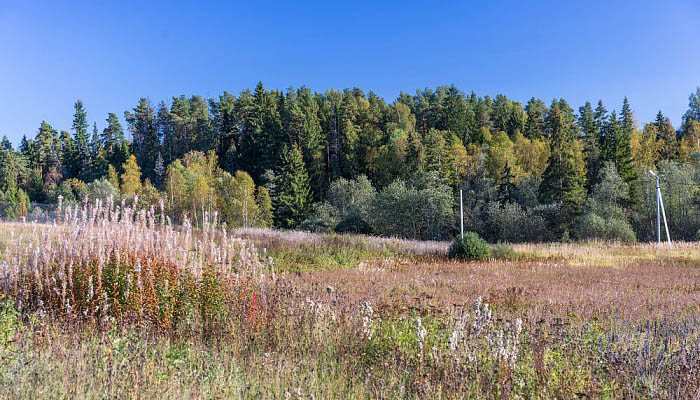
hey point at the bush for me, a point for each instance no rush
(470, 247)
(354, 224)
(316, 226)
(594, 226)
(503, 251)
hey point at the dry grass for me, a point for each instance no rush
(639, 286)
(184, 313)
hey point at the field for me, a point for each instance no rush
(109, 304)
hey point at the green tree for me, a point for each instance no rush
(564, 177)
(236, 199)
(81, 167)
(292, 192)
(146, 144)
(98, 156)
(262, 198)
(113, 141)
(667, 137)
(604, 215)
(590, 135)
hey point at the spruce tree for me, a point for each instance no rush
(291, 197)
(506, 190)
(81, 160)
(667, 137)
(98, 156)
(564, 177)
(6, 145)
(142, 125)
(591, 149)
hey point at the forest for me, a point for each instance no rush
(348, 161)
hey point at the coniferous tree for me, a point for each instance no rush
(507, 188)
(667, 137)
(114, 142)
(225, 124)
(81, 160)
(536, 111)
(291, 196)
(6, 145)
(693, 112)
(564, 177)
(623, 158)
(98, 156)
(67, 157)
(145, 136)
(590, 135)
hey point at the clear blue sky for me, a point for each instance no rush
(109, 55)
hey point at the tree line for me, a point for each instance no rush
(351, 162)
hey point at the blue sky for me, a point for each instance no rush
(111, 53)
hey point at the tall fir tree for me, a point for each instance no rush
(564, 178)
(80, 167)
(667, 138)
(291, 195)
(536, 111)
(591, 148)
(98, 156)
(6, 144)
(145, 141)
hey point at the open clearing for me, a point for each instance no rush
(360, 317)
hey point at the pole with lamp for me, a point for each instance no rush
(660, 211)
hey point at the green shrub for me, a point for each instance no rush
(470, 247)
(593, 226)
(503, 251)
(316, 226)
(9, 320)
(353, 224)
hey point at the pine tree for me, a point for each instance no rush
(292, 192)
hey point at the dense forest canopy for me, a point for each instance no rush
(351, 162)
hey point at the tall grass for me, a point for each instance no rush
(107, 264)
(111, 302)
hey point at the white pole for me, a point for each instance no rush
(658, 208)
(658, 212)
(663, 212)
(461, 215)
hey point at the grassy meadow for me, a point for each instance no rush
(110, 303)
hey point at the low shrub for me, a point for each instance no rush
(316, 226)
(354, 224)
(503, 251)
(469, 247)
